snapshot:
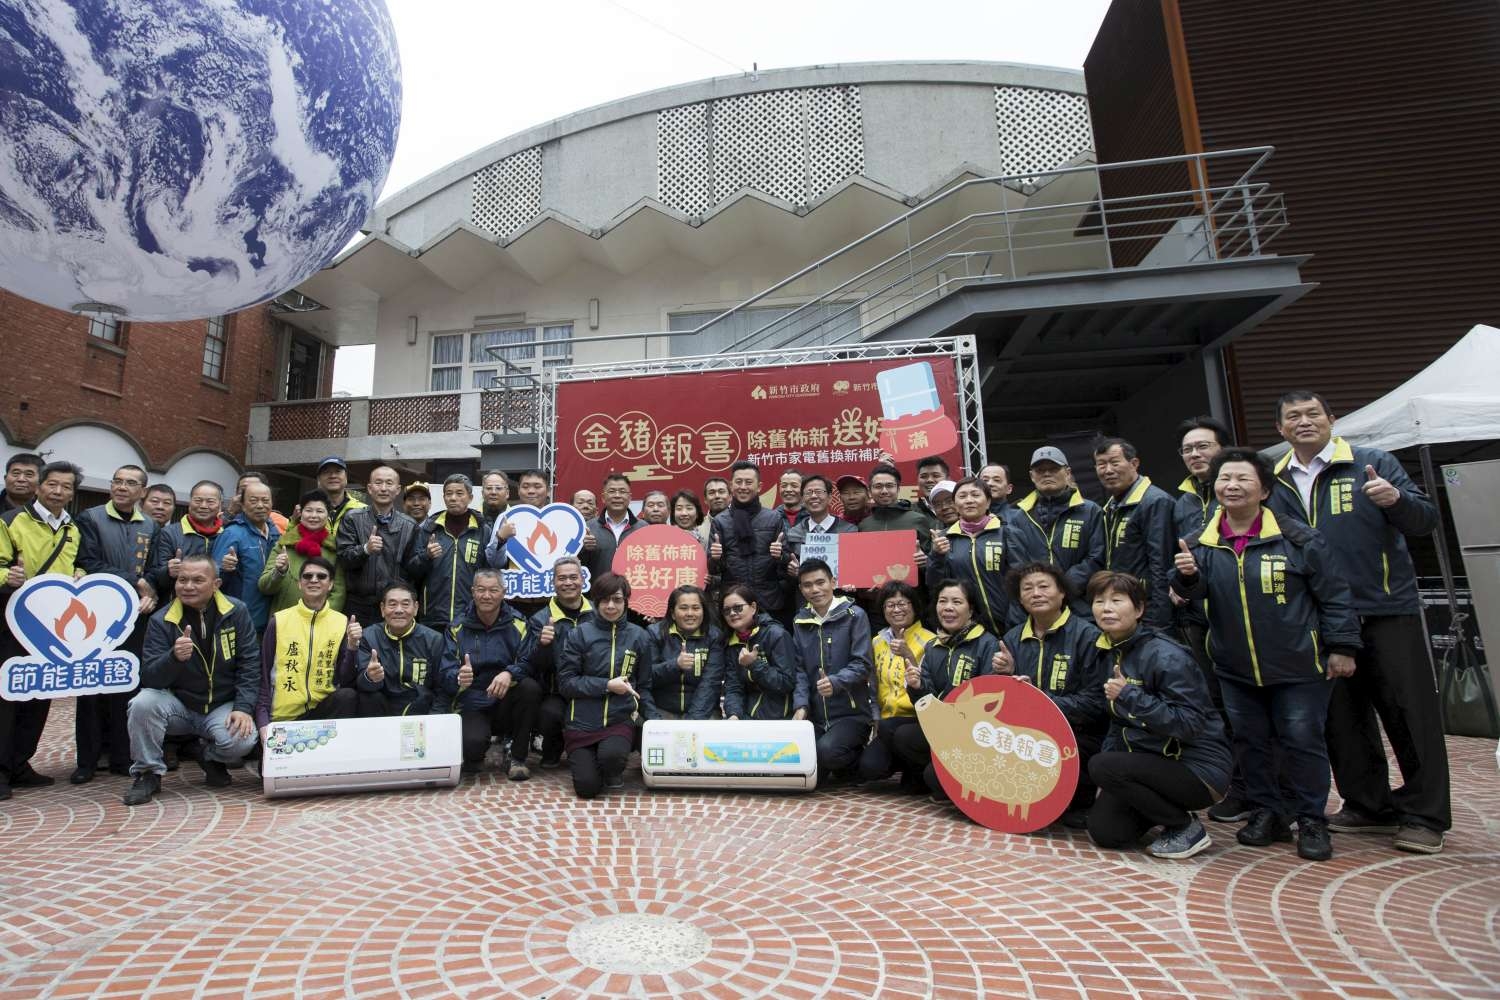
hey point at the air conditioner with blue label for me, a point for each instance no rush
(716, 753)
(361, 755)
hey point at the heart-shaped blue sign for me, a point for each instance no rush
(543, 535)
(63, 621)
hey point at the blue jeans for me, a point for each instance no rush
(1292, 716)
(156, 714)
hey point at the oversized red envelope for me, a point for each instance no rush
(870, 558)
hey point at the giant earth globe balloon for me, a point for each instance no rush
(177, 159)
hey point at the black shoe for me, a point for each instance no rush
(553, 761)
(81, 776)
(1313, 843)
(123, 770)
(1230, 809)
(5, 792)
(618, 781)
(141, 790)
(1076, 819)
(215, 774)
(1264, 829)
(28, 778)
(470, 767)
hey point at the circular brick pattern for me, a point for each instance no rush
(501, 889)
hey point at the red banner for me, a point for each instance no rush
(674, 431)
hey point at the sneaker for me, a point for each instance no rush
(553, 761)
(1230, 809)
(518, 772)
(618, 781)
(141, 790)
(28, 778)
(1076, 819)
(215, 774)
(1313, 843)
(81, 776)
(1419, 839)
(1264, 829)
(1181, 842)
(1346, 820)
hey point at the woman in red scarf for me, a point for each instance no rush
(309, 537)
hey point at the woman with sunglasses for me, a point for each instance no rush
(760, 670)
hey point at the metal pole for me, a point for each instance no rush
(1445, 565)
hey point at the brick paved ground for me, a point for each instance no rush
(851, 893)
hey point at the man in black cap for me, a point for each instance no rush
(333, 478)
(416, 501)
(1056, 525)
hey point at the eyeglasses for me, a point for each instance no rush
(314, 576)
(1190, 449)
(734, 609)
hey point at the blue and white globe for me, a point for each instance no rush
(177, 159)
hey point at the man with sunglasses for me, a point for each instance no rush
(308, 655)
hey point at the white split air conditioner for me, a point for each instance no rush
(722, 754)
(361, 755)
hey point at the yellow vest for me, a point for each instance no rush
(890, 671)
(308, 644)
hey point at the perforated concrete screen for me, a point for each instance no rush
(508, 193)
(791, 144)
(1040, 129)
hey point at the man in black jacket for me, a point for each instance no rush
(739, 548)
(114, 538)
(374, 546)
(1138, 525)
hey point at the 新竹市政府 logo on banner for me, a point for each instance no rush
(70, 629)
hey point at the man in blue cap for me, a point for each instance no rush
(333, 478)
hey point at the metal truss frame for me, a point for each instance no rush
(961, 349)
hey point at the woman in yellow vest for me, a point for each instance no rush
(901, 642)
(312, 535)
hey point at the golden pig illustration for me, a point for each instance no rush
(990, 759)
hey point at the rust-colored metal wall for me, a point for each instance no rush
(1384, 117)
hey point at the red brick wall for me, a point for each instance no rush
(153, 390)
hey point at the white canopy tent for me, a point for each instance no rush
(1456, 398)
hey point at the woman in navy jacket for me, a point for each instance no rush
(760, 662)
(687, 659)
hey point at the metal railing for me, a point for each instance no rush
(506, 408)
(1132, 214)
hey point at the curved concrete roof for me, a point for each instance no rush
(838, 74)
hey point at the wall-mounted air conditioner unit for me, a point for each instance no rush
(722, 754)
(360, 755)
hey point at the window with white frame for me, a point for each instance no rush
(484, 359)
(105, 327)
(215, 347)
(447, 362)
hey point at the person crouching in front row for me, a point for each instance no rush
(400, 661)
(486, 679)
(687, 659)
(200, 676)
(307, 655)
(832, 636)
(604, 672)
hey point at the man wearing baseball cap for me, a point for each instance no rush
(854, 495)
(416, 501)
(333, 478)
(1056, 525)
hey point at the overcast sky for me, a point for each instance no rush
(474, 71)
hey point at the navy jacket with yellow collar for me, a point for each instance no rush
(110, 543)
(1063, 663)
(950, 660)
(413, 663)
(225, 665)
(980, 559)
(174, 536)
(838, 646)
(596, 652)
(690, 694)
(447, 581)
(538, 661)
(492, 650)
(1368, 542)
(1276, 610)
(1139, 539)
(1074, 543)
(1165, 708)
(764, 689)
(1196, 504)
